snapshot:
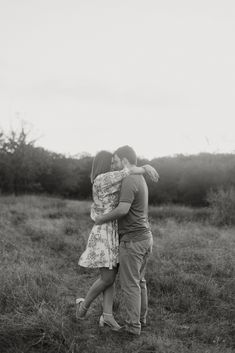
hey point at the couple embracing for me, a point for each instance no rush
(120, 239)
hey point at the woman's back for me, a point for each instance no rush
(106, 188)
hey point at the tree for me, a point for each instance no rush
(17, 162)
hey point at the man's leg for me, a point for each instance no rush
(132, 266)
(143, 286)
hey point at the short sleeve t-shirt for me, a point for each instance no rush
(134, 226)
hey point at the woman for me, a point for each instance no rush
(103, 242)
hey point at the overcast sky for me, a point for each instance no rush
(87, 75)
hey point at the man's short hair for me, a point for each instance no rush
(128, 153)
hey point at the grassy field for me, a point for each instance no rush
(190, 276)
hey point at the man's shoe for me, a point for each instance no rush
(130, 332)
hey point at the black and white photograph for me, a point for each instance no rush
(117, 176)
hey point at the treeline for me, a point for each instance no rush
(25, 168)
(187, 180)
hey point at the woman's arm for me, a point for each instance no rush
(146, 169)
(111, 179)
(151, 172)
(110, 182)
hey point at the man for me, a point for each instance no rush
(135, 239)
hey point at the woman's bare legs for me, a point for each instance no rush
(102, 284)
(108, 295)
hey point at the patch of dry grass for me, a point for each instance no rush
(190, 276)
(179, 213)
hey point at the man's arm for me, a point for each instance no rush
(121, 210)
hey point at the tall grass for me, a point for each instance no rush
(222, 203)
(179, 213)
(190, 276)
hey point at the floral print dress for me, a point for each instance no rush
(103, 243)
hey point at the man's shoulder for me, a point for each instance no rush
(133, 178)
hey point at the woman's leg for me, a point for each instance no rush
(107, 316)
(108, 295)
(106, 279)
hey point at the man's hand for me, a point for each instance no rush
(98, 220)
(151, 172)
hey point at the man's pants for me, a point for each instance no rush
(132, 267)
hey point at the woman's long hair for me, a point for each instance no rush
(101, 164)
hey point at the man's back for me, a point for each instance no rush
(134, 226)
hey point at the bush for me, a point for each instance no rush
(222, 204)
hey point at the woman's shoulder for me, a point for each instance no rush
(111, 178)
(107, 175)
(101, 177)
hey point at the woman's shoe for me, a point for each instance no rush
(108, 319)
(81, 310)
